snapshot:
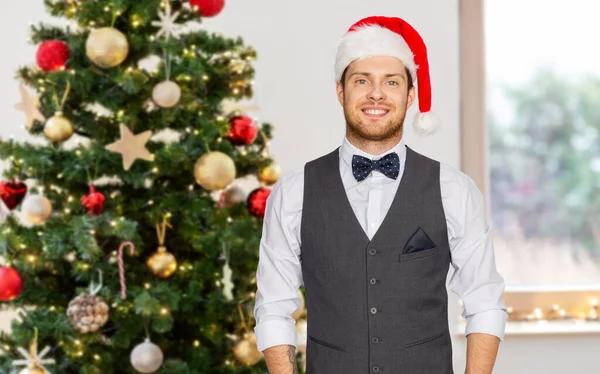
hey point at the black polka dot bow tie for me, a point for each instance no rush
(389, 165)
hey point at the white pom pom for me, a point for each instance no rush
(426, 123)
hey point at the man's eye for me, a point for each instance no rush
(393, 83)
(360, 81)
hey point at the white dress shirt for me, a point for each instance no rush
(279, 274)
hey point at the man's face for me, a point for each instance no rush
(375, 97)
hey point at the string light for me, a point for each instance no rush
(164, 311)
(196, 343)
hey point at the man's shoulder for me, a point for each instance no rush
(451, 177)
(456, 182)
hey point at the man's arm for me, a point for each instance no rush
(281, 359)
(475, 280)
(279, 276)
(482, 350)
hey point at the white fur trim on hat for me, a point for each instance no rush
(426, 123)
(369, 41)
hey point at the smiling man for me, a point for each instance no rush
(371, 230)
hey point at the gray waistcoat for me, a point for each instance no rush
(372, 309)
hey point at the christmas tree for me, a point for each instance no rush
(127, 244)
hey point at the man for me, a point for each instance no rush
(371, 230)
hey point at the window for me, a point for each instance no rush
(530, 74)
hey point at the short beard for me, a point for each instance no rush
(392, 128)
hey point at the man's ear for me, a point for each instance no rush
(340, 92)
(412, 96)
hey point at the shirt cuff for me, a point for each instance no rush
(275, 332)
(491, 322)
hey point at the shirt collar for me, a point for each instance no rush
(348, 151)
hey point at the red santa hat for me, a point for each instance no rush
(392, 36)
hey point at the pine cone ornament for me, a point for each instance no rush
(87, 313)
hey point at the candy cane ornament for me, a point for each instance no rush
(122, 267)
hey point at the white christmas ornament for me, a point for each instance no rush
(167, 24)
(147, 357)
(36, 209)
(166, 94)
(227, 283)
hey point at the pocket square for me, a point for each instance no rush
(419, 241)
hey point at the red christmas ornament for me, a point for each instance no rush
(242, 131)
(208, 8)
(11, 283)
(93, 202)
(12, 193)
(257, 202)
(52, 55)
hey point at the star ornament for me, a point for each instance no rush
(29, 106)
(131, 146)
(167, 24)
(33, 359)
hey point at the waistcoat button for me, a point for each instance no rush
(373, 281)
(375, 369)
(372, 251)
(373, 310)
(375, 340)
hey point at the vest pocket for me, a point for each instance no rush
(326, 344)
(420, 254)
(423, 341)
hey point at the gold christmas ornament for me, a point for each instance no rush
(162, 263)
(166, 94)
(34, 369)
(214, 171)
(245, 350)
(269, 174)
(35, 362)
(106, 47)
(58, 128)
(36, 209)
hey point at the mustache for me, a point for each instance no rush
(369, 103)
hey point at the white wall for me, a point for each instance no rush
(296, 43)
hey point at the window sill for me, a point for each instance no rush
(550, 310)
